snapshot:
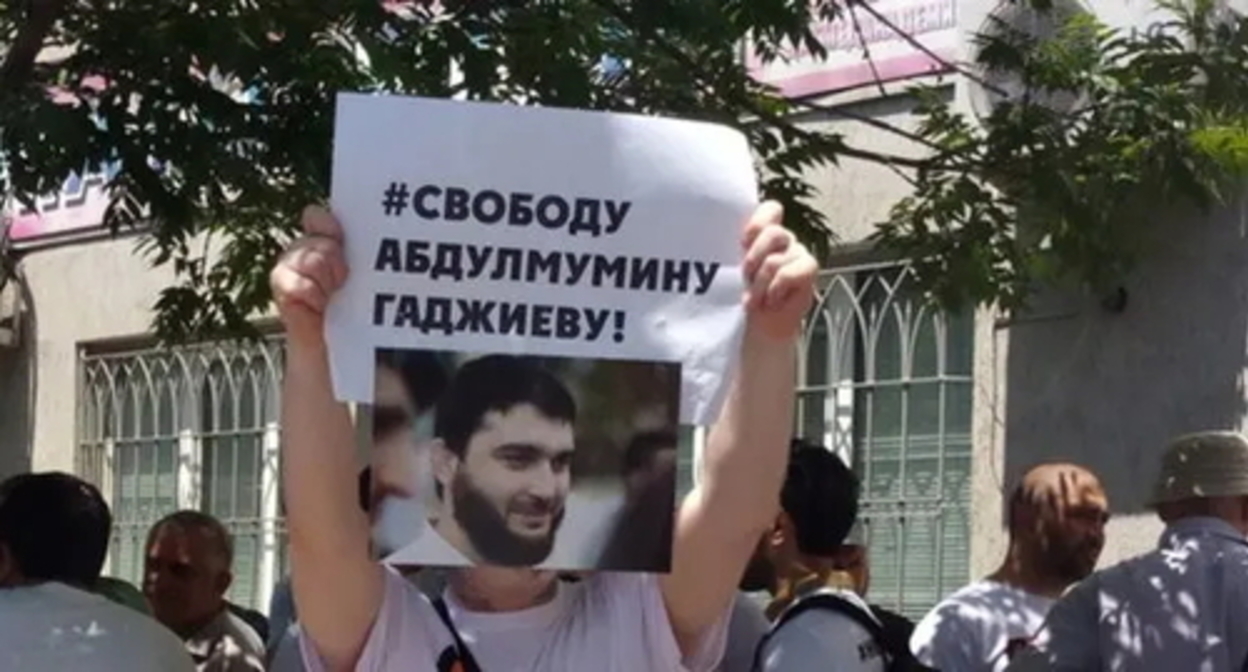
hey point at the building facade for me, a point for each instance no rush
(938, 413)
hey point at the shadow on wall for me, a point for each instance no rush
(18, 378)
(1109, 390)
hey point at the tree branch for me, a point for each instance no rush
(19, 62)
(8, 265)
(866, 51)
(760, 113)
(923, 48)
(869, 121)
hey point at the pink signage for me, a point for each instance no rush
(930, 23)
(79, 205)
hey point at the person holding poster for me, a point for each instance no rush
(358, 615)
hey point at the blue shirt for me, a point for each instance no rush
(1181, 607)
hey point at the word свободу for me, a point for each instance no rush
(518, 208)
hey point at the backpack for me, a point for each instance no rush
(896, 650)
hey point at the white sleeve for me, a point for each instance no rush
(631, 604)
(819, 640)
(402, 637)
(943, 641)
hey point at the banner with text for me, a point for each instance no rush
(538, 231)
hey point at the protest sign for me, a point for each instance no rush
(497, 228)
(537, 299)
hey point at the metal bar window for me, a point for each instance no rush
(196, 427)
(885, 381)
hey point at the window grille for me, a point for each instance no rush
(195, 427)
(885, 380)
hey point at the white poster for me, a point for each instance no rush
(513, 230)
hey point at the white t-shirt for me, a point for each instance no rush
(980, 627)
(227, 644)
(818, 640)
(52, 626)
(606, 623)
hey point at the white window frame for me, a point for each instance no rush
(101, 468)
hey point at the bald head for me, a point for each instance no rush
(1050, 490)
(1057, 515)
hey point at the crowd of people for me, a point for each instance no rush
(770, 514)
(57, 612)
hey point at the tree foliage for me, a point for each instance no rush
(197, 158)
(219, 116)
(1039, 194)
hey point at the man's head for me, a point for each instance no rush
(186, 570)
(1204, 475)
(407, 385)
(819, 503)
(53, 527)
(1057, 517)
(503, 454)
(648, 455)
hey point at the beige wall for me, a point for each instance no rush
(1108, 390)
(855, 194)
(76, 293)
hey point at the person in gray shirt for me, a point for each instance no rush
(797, 561)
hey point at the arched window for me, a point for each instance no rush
(196, 427)
(886, 382)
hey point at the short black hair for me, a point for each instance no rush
(423, 374)
(645, 446)
(56, 526)
(820, 495)
(497, 383)
(189, 520)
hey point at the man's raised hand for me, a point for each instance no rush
(779, 274)
(307, 275)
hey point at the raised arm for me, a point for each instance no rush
(721, 521)
(337, 586)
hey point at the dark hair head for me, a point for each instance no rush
(644, 447)
(497, 383)
(641, 539)
(422, 374)
(820, 496)
(56, 526)
(189, 520)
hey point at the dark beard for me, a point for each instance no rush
(1071, 566)
(759, 575)
(486, 529)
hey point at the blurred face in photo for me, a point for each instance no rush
(508, 491)
(658, 464)
(401, 478)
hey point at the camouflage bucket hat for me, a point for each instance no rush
(1207, 464)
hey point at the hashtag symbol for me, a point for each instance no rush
(394, 199)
